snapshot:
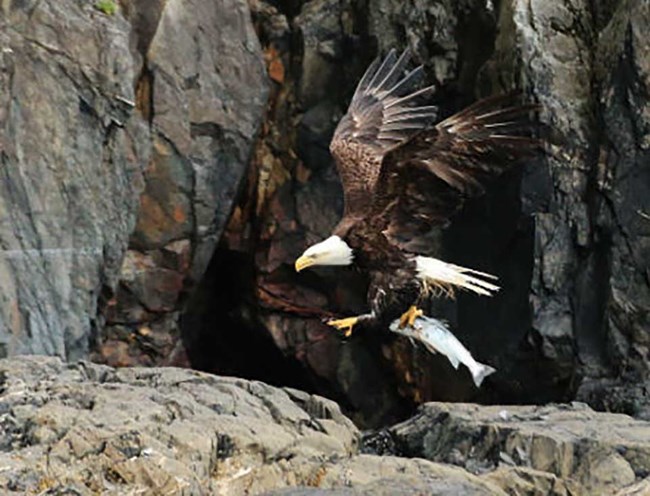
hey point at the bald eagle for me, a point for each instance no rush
(402, 176)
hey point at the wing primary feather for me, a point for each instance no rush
(506, 124)
(386, 65)
(422, 121)
(405, 81)
(367, 77)
(391, 136)
(415, 118)
(501, 118)
(411, 110)
(398, 126)
(508, 112)
(410, 96)
(395, 71)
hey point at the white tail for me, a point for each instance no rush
(447, 277)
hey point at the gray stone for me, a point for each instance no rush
(93, 429)
(132, 127)
(97, 430)
(71, 163)
(568, 449)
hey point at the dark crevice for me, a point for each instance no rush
(144, 94)
(289, 8)
(591, 289)
(144, 17)
(220, 331)
(476, 35)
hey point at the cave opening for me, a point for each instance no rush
(224, 333)
(221, 333)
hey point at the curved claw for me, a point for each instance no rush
(408, 318)
(344, 325)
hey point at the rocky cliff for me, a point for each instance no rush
(164, 162)
(567, 234)
(88, 429)
(126, 131)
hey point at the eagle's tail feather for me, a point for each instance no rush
(447, 277)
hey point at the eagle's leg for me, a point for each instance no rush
(408, 317)
(346, 325)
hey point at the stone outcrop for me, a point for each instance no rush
(87, 429)
(93, 429)
(125, 133)
(568, 449)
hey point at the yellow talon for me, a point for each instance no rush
(344, 325)
(408, 317)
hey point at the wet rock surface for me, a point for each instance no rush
(86, 429)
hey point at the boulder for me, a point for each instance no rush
(86, 429)
(555, 449)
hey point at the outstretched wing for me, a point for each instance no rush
(381, 115)
(426, 180)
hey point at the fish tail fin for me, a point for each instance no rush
(447, 277)
(480, 372)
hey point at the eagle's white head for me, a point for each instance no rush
(332, 251)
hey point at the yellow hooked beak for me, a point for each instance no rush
(303, 262)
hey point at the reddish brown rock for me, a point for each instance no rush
(203, 124)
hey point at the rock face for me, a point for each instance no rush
(202, 87)
(154, 148)
(89, 429)
(124, 137)
(567, 235)
(72, 161)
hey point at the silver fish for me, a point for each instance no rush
(436, 337)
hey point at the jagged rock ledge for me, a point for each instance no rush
(88, 429)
